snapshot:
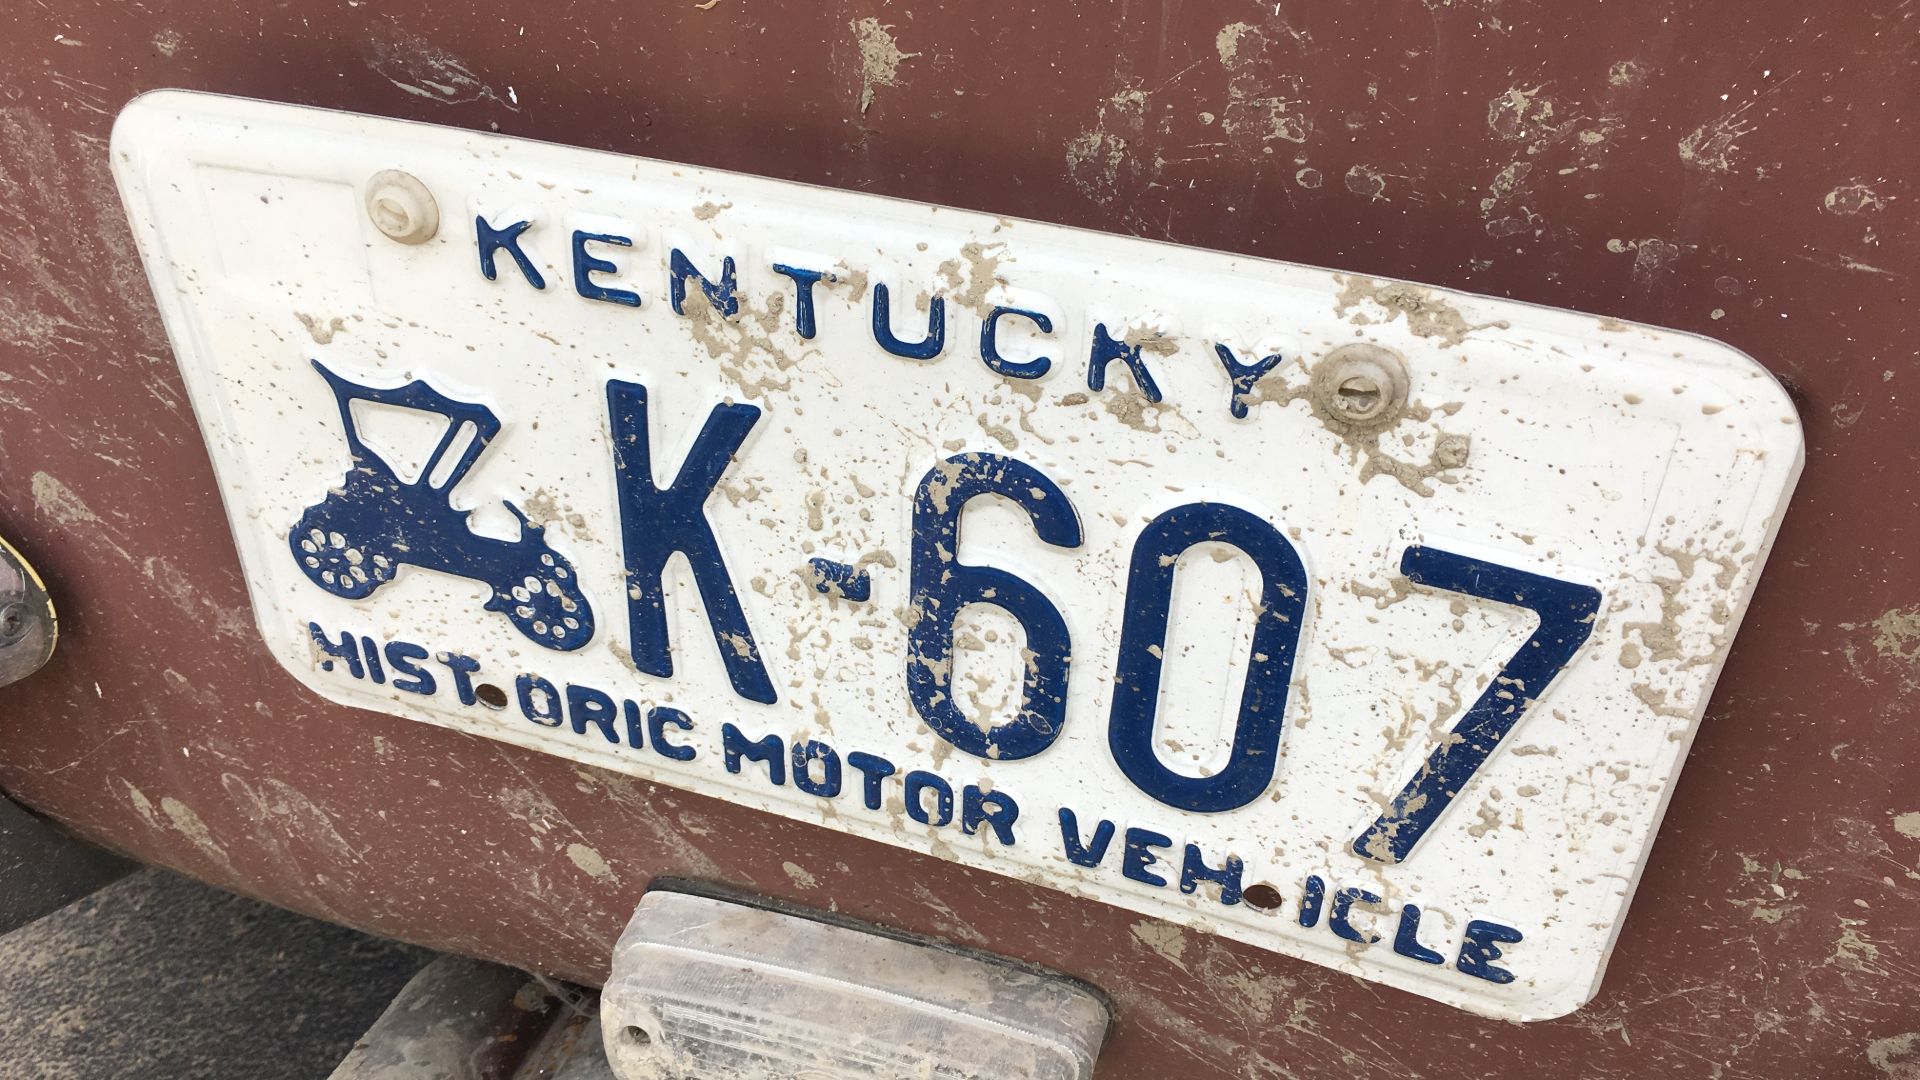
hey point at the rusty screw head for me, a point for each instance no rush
(1359, 397)
(401, 207)
(1360, 387)
(13, 623)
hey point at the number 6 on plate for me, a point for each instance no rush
(942, 585)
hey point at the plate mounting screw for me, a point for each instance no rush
(401, 207)
(1360, 387)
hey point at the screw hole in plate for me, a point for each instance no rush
(1262, 896)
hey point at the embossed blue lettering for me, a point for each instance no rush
(347, 650)
(462, 669)
(805, 754)
(659, 718)
(1481, 947)
(372, 652)
(919, 782)
(994, 808)
(1084, 853)
(722, 296)
(1406, 940)
(1341, 917)
(926, 348)
(585, 266)
(769, 749)
(1311, 897)
(1143, 637)
(990, 346)
(404, 657)
(803, 282)
(873, 769)
(1137, 855)
(654, 524)
(1243, 377)
(1105, 351)
(492, 241)
(630, 713)
(1566, 610)
(942, 585)
(548, 714)
(586, 705)
(1194, 870)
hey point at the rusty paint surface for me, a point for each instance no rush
(1739, 170)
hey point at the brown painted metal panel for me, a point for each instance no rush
(1742, 169)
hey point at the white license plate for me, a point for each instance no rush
(1359, 621)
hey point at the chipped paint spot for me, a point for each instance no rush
(1897, 1056)
(141, 803)
(1907, 824)
(189, 825)
(426, 70)
(1853, 950)
(1227, 42)
(1768, 909)
(1369, 182)
(1710, 147)
(880, 58)
(1163, 938)
(1263, 104)
(1896, 633)
(1651, 258)
(196, 600)
(1854, 198)
(800, 876)
(1775, 902)
(1525, 116)
(57, 501)
(292, 817)
(1094, 156)
(1626, 73)
(1508, 189)
(589, 860)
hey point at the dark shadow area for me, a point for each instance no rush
(160, 976)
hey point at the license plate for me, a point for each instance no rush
(1363, 622)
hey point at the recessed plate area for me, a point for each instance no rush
(1359, 621)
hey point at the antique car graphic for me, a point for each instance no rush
(357, 538)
